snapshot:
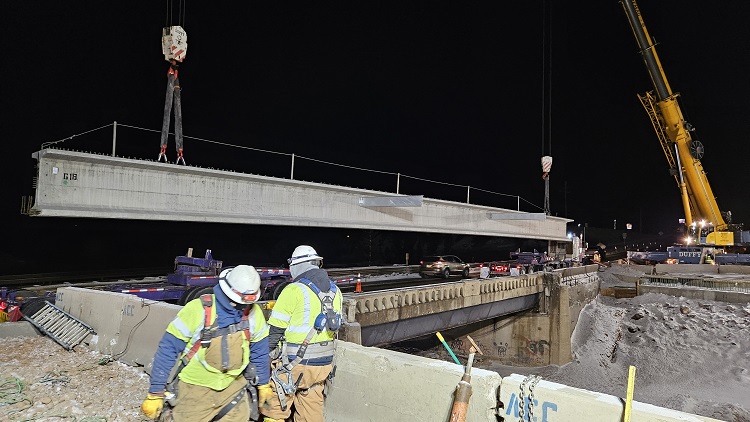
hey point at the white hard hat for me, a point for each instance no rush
(303, 253)
(241, 284)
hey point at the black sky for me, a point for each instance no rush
(442, 91)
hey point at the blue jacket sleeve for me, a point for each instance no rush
(259, 358)
(165, 357)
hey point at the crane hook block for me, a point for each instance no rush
(174, 43)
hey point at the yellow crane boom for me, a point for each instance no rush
(682, 151)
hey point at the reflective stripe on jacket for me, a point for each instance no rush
(296, 310)
(188, 325)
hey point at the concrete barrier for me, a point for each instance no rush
(374, 384)
(694, 293)
(734, 269)
(687, 269)
(560, 403)
(127, 327)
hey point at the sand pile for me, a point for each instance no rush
(690, 355)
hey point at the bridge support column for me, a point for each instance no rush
(560, 323)
(351, 330)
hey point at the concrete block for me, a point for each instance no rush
(687, 269)
(142, 327)
(373, 384)
(18, 329)
(101, 310)
(734, 269)
(560, 403)
(127, 327)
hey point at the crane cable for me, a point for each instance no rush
(181, 13)
(546, 78)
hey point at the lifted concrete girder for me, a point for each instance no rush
(84, 185)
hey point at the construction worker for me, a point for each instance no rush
(302, 340)
(222, 342)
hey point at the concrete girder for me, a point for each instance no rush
(76, 184)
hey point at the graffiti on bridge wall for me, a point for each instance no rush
(462, 346)
(532, 351)
(501, 348)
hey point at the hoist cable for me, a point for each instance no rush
(544, 69)
(184, 12)
(549, 93)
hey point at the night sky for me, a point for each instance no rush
(453, 92)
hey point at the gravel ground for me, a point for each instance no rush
(43, 381)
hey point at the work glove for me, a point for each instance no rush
(265, 395)
(151, 407)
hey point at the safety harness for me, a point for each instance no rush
(328, 319)
(208, 333)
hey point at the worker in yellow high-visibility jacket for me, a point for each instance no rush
(309, 310)
(222, 342)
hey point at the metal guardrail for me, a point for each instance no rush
(372, 271)
(701, 283)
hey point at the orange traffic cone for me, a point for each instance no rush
(358, 287)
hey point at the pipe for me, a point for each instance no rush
(463, 393)
(453, 355)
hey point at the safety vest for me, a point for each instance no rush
(297, 325)
(188, 326)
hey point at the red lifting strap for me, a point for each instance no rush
(208, 302)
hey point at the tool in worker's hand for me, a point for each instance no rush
(463, 390)
(453, 355)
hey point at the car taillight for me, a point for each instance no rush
(421, 262)
(481, 265)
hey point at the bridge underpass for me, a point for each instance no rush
(390, 316)
(526, 320)
(77, 184)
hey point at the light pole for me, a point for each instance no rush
(583, 234)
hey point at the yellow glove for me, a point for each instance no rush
(151, 407)
(265, 395)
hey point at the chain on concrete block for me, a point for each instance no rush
(531, 396)
(521, 399)
(533, 380)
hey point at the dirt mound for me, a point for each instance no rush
(690, 355)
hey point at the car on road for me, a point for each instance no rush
(499, 268)
(443, 266)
